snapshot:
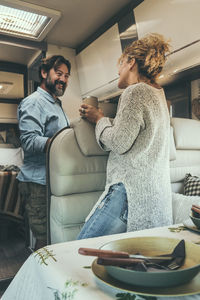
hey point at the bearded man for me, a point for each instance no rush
(40, 116)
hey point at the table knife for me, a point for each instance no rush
(120, 254)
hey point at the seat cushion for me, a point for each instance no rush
(68, 213)
(73, 209)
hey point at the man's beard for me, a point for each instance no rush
(53, 88)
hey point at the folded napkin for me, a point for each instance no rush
(178, 257)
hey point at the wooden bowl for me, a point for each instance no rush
(152, 246)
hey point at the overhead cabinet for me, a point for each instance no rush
(97, 64)
(8, 113)
(179, 22)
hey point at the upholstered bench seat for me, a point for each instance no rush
(77, 172)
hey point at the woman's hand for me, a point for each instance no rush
(91, 113)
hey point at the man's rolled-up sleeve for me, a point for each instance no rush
(32, 127)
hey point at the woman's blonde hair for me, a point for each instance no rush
(149, 53)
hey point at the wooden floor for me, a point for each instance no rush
(13, 252)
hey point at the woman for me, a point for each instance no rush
(138, 180)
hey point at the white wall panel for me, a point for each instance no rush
(71, 100)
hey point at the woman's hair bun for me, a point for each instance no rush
(149, 53)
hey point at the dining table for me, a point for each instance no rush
(59, 272)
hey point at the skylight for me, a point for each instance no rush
(26, 20)
(21, 22)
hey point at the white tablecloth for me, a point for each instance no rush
(57, 272)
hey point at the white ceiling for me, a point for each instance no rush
(79, 20)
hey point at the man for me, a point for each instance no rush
(40, 116)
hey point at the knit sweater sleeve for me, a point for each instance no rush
(119, 136)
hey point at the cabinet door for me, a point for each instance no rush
(97, 64)
(179, 22)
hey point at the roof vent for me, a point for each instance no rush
(25, 20)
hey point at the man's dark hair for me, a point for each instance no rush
(53, 62)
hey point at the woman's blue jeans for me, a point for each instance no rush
(110, 216)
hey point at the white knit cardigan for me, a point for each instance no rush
(138, 141)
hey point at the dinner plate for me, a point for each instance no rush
(190, 288)
(190, 225)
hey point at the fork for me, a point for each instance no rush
(174, 265)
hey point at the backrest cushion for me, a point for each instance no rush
(85, 137)
(186, 133)
(187, 143)
(70, 170)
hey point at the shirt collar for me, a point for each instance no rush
(46, 95)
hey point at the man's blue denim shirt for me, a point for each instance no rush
(40, 117)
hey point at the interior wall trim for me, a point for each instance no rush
(7, 40)
(185, 46)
